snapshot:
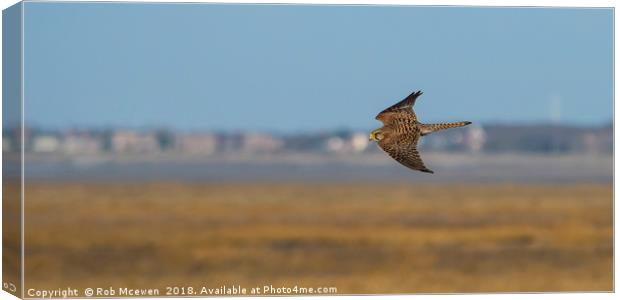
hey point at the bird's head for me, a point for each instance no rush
(376, 135)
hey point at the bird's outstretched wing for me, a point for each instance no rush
(400, 110)
(403, 148)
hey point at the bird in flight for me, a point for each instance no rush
(401, 131)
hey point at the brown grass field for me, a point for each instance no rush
(361, 238)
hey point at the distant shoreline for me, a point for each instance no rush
(295, 167)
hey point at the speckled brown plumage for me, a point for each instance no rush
(401, 132)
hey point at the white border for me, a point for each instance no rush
(505, 3)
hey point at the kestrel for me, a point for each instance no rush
(401, 131)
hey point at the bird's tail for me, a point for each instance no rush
(430, 128)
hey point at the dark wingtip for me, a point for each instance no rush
(467, 123)
(428, 171)
(410, 100)
(414, 95)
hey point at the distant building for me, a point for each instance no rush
(474, 138)
(353, 143)
(306, 142)
(196, 143)
(335, 144)
(79, 143)
(46, 144)
(359, 142)
(598, 142)
(134, 142)
(257, 142)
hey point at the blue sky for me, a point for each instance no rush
(288, 68)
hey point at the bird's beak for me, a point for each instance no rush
(370, 137)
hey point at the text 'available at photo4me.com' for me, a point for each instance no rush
(179, 291)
